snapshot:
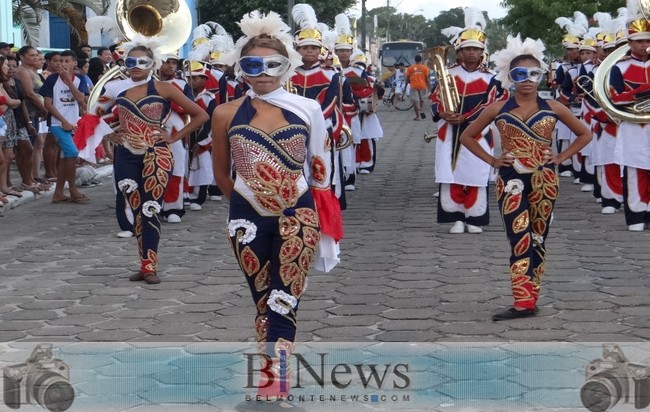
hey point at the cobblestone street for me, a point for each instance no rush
(402, 276)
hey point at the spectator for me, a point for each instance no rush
(50, 148)
(106, 57)
(64, 95)
(417, 76)
(82, 71)
(32, 82)
(96, 69)
(5, 48)
(7, 131)
(86, 50)
(24, 128)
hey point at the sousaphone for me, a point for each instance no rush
(169, 20)
(636, 113)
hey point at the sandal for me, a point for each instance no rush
(31, 188)
(13, 193)
(62, 200)
(79, 199)
(41, 180)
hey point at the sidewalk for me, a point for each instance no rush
(85, 175)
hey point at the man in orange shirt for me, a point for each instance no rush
(417, 76)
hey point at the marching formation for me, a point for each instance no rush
(281, 123)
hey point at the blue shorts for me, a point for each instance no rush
(64, 140)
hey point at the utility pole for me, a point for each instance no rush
(363, 25)
(290, 4)
(388, 20)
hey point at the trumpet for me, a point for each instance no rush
(428, 137)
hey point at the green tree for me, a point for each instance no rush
(28, 14)
(229, 12)
(536, 18)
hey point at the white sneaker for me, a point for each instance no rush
(636, 227)
(587, 188)
(349, 188)
(474, 229)
(576, 181)
(125, 234)
(458, 227)
(566, 173)
(215, 197)
(437, 194)
(195, 207)
(173, 218)
(608, 210)
(364, 172)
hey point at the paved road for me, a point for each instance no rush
(402, 277)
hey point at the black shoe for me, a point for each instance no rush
(422, 115)
(513, 313)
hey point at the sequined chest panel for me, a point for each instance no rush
(527, 140)
(139, 120)
(270, 165)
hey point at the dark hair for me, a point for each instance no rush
(69, 53)
(85, 45)
(144, 49)
(3, 78)
(12, 58)
(418, 58)
(50, 55)
(267, 42)
(523, 57)
(102, 50)
(23, 50)
(95, 69)
(82, 54)
(112, 47)
(81, 63)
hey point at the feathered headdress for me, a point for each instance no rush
(515, 47)
(344, 39)
(305, 17)
(638, 28)
(619, 25)
(257, 23)
(590, 40)
(452, 33)
(603, 20)
(151, 43)
(329, 39)
(221, 45)
(576, 28)
(105, 25)
(202, 44)
(473, 35)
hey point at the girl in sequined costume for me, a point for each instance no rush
(527, 185)
(283, 216)
(143, 160)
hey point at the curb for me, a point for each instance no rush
(85, 175)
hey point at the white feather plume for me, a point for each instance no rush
(622, 13)
(104, 25)
(516, 47)
(202, 31)
(564, 22)
(217, 29)
(602, 19)
(452, 33)
(633, 10)
(329, 36)
(474, 18)
(152, 43)
(201, 52)
(257, 23)
(342, 24)
(304, 16)
(580, 20)
(222, 43)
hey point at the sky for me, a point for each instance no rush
(431, 8)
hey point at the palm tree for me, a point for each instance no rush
(28, 15)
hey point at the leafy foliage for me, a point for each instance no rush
(536, 18)
(229, 12)
(27, 14)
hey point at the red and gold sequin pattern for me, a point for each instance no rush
(318, 169)
(517, 140)
(249, 261)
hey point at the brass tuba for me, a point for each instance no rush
(169, 20)
(447, 92)
(638, 112)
